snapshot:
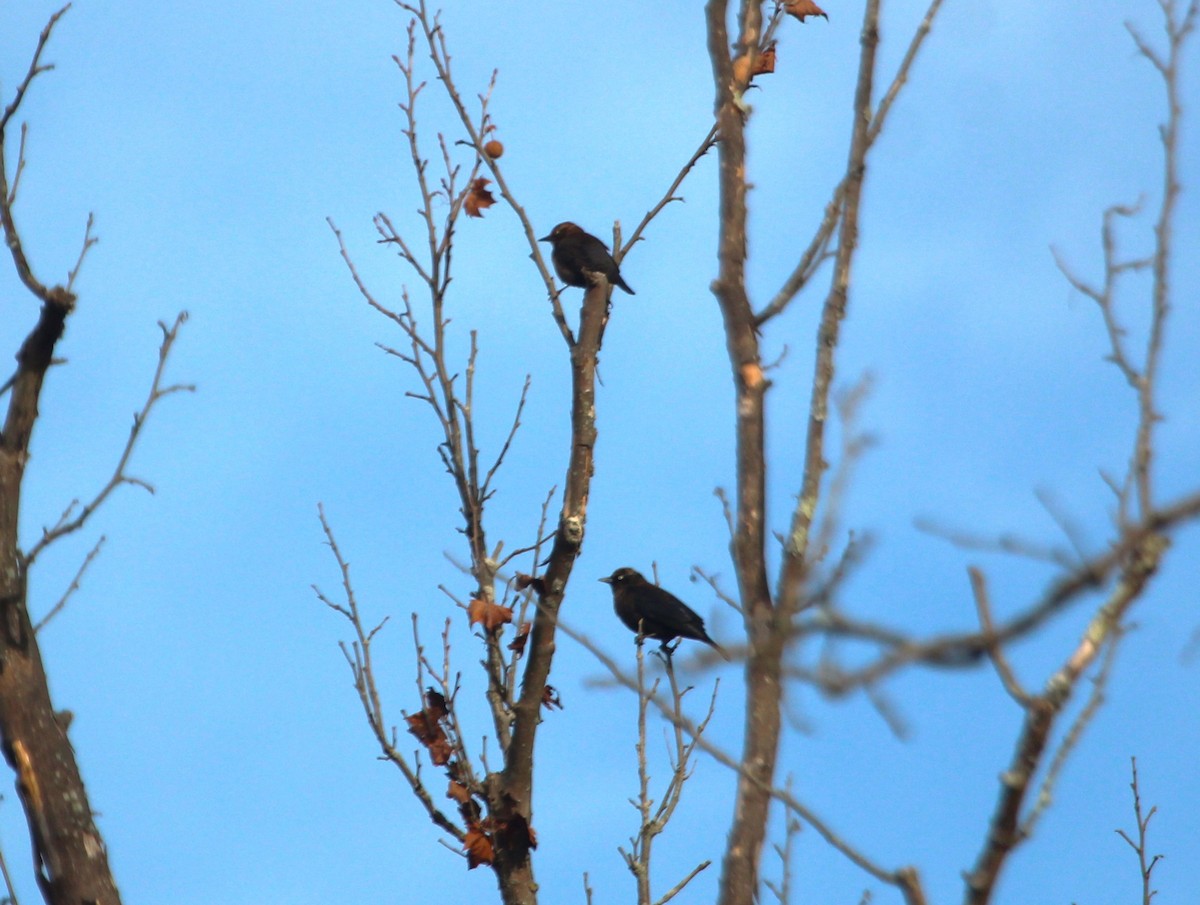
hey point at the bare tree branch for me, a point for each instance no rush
(1143, 823)
(1003, 835)
(72, 588)
(817, 251)
(705, 146)
(68, 525)
(796, 553)
(653, 820)
(362, 668)
(8, 196)
(905, 878)
(1009, 679)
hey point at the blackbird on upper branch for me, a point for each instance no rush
(578, 256)
(661, 614)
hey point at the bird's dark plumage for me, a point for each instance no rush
(577, 255)
(662, 615)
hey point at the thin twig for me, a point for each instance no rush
(817, 251)
(705, 146)
(1003, 834)
(783, 889)
(67, 525)
(965, 649)
(904, 878)
(1009, 544)
(88, 241)
(477, 133)
(797, 555)
(995, 652)
(1073, 735)
(358, 657)
(8, 195)
(1143, 823)
(72, 588)
(8, 883)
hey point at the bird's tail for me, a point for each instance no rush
(720, 650)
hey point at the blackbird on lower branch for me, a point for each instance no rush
(577, 255)
(661, 614)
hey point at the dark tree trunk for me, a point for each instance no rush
(70, 860)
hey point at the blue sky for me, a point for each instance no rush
(217, 730)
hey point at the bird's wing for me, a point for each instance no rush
(668, 609)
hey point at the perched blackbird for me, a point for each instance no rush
(662, 615)
(578, 255)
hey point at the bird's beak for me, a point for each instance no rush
(606, 580)
(544, 239)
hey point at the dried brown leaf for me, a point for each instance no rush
(478, 847)
(765, 63)
(802, 8)
(424, 727)
(440, 752)
(524, 581)
(490, 615)
(518, 643)
(478, 198)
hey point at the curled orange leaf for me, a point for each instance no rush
(490, 615)
(478, 198)
(478, 847)
(802, 8)
(764, 63)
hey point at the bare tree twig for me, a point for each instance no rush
(1003, 835)
(854, 445)
(1070, 529)
(72, 588)
(905, 878)
(88, 241)
(817, 251)
(684, 881)
(7, 195)
(8, 884)
(996, 653)
(653, 820)
(965, 649)
(1073, 735)
(705, 146)
(20, 167)
(67, 525)
(1139, 847)
(791, 831)
(1007, 543)
(485, 487)
(796, 552)
(358, 657)
(435, 40)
